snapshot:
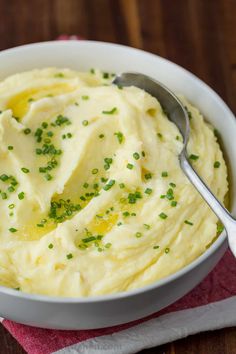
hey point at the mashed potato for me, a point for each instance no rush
(92, 197)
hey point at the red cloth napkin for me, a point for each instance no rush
(219, 285)
(211, 305)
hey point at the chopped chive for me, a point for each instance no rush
(50, 246)
(188, 222)
(108, 245)
(4, 195)
(4, 177)
(147, 227)
(61, 120)
(163, 216)
(69, 256)
(12, 229)
(109, 185)
(61, 75)
(194, 157)
(162, 196)
(188, 112)
(169, 194)
(164, 174)
(173, 185)
(92, 71)
(173, 203)
(11, 189)
(122, 185)
(21, 195)
(11, 206)
(167, 250)
(216, 133)
(138, 234)
(85, 97)
(50, 134)
(126, 213)
(112, 111)
(130, 166)
(160, 135)
(38, 151)
(94, 171)
(101, 136)
(27, 131)
(143, 153)
(105, 75)
(148, 176)
(136, 155)
(10, 147)
(104, 180)
(89, 239)
(85, 122)
(85, 185)
(44, 125)
(220, 228)
(48, 177)
(148, 191)
(25, 170)
(156, 247)
(216, 164)
(119, 223)
(120, 137)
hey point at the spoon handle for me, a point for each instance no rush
(225, 217)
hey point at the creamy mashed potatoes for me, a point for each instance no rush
(92, 197)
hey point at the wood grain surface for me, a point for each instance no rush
(200, 35)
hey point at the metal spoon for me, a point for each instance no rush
(178, 115)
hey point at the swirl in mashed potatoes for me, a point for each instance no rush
(92, 198)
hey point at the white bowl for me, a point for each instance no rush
(109, 310)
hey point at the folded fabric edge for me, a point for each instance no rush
(161, 330)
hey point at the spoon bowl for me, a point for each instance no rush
(178, 115)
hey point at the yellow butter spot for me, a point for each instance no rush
(33, 232)
(103, 225)
(59, 266)
(20, 103)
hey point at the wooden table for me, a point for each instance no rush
(200, 35)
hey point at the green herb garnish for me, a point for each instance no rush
(12, 229)
(109, 185)
(136, 155)
(194, 157)
(216, 164)
(138, 234)
(148, 191)
(164, 174)
(112, 111)
(85, 122)
(163, 216)
(188, 222)
(21, 195)
(25, 170)
(120, 137)
(130, 166)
